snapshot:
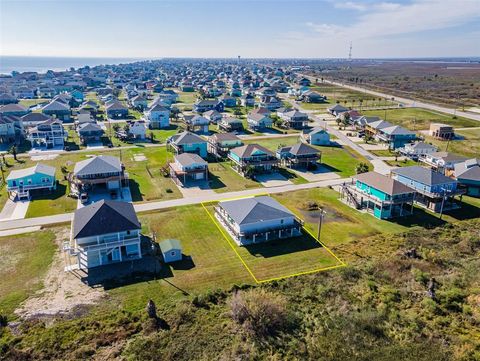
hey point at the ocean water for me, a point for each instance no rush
(41, 64)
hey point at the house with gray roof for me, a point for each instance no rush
(434, 190)
(187, 142)
(219, 144)
(300, 155)
(379, 195)
(417, 150)
(58, 109)
(188, 167)
(257, 219)
(103, 233)
(99, 171)
(47, 134)
(251, 159)
(467, 173)
(316, 136)
(22, 183)
(90, 132)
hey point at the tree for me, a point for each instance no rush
(362, 168)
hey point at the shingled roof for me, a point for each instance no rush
(97, 165)
(104, 217)
(383, 183)
(256, 209)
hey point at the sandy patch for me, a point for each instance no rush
(37, 158)
(62, 291)
(140, 157)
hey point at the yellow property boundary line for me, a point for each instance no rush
(233, 246)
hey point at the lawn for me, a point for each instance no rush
(146, 180)
(401, 163)
(345, 97)
(224, 179)
(341, 160)
(187, 97)
(213, 262)
(468, 145)
(31, 102)
(282, 258)
(418, 119)
(25, 260)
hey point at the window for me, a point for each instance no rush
(172, 253)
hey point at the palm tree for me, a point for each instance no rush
(362, 168)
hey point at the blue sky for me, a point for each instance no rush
(227, 28)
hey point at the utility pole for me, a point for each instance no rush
(320, 221)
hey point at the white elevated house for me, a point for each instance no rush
(158, 116)
(257, 219)
(103, 233)
(138, 129)
(47, 134)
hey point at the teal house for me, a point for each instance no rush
(379, 195)
(21, 183)
(187, 142)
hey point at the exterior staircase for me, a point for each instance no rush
(351, 197)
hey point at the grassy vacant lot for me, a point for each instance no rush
(187, 97)
(25, 260)
(342, 160)
(224, 179)
(417, 119)
(30, 102)
(468, 145)
(345, 97)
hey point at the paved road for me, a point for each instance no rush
(153, 206)
(378, 164)
(408, 102)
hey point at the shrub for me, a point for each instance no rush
(260, 313)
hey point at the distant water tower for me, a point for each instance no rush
(350, 52)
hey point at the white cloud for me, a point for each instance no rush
(383, 19)
(350, 5)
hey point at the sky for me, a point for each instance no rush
(249, 28)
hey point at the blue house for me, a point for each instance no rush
(434, 190)
(379, 195)
(187, 142)
(396, 136)
(77, 95)
(467, 174)
(23, 181)
(252, 158)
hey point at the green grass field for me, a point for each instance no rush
(25, 260)
(418, 119)
(30, 102)
(224, 179)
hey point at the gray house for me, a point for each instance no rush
(257, 219)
